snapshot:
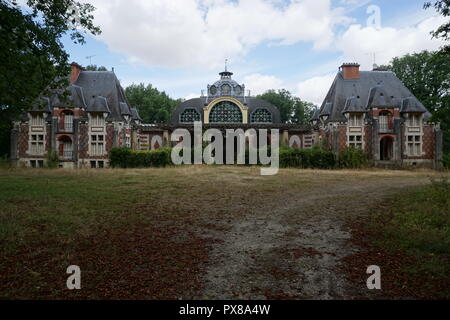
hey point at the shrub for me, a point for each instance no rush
(446, 160)
(307, 158)
(52, 159)
(352, 158)
(127, 158)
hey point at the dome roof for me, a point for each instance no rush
(226, 86)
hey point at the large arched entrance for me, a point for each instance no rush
(386, 148)
(225, 112)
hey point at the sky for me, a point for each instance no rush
(180, 46)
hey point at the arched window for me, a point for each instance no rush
(226, 89)
(225, 112)
(189, 116)
(261, 116)
(386, 121)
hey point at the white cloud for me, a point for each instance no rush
(204, 32)
(315, 89)
(358, 43)
(258, 83)
(192, 96)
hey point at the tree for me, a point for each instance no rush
(292, 109)
(32, 56)
(154, 106)
(427, 75)
(93, 67)
(443, 32)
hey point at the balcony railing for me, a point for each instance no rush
(67, 154)
(66, 127)
(385, 125)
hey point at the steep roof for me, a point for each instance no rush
(372, 89)
(94, 91)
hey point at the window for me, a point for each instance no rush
(226, 89)
(101, 164)
(97, 145)
(189, 116)
(386, 122)
(37, 120)
(37, 144)
(414, 120)
(97, 120)
(127, 141)
(261, 116)
(93, 164)
(68, 122)
(225, 112)
(355, 141)
(355, 120)
(414, 145)
(40, 163)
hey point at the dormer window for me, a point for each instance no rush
(37, 120)
(355, 120)
(414, 120)
(97, 120)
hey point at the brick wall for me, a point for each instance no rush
(23, 141)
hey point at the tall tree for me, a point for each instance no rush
(292, 109)
(32, 57)
(427, 75)
(93, 67)
(154, 106)
(443, 31)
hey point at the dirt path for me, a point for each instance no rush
(294, 251)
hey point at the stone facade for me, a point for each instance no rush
(371, 110)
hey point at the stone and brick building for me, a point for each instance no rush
(81, 129)
(371, 110)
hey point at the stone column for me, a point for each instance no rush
(375, 140)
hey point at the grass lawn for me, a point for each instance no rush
(410, 236)
(148, 233)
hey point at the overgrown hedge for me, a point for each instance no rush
(307, 158)
(127, 158)
(353, 158)
(315, 158)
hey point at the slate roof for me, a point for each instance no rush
(94, 91)
(250, 102)
(372, 89)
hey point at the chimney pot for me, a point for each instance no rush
(75, 72)
(350, 70)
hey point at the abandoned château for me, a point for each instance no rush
(371, 110)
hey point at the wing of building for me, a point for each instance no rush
(81, 123)
(371, 110)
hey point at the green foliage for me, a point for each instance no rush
(127, 158)
(292, 109)
(352, 158)
(33, 59)
(32, 54)
(154, 106)
(307, 158)
(446, 160)
(52, 159)
(443, 31)
(419, 224)
(427, 75)
(93, 67)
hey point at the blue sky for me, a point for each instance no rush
(179, 46)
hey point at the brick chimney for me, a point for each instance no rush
(350, 70)
(75, 72)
